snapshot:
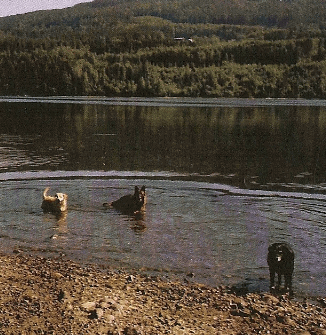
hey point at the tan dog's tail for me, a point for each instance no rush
(45, 193)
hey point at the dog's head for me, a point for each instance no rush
(61, 200)
(140, 195)
(280, 252)
(61, 197)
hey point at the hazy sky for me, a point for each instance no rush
(12, 7)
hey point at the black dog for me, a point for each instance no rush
(132, 203)
(280, 260)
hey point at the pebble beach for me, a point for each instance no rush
(57, 296)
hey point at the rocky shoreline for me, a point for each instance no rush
(56, 296)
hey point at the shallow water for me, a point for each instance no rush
(213, 207)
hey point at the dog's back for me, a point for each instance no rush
(131, 203)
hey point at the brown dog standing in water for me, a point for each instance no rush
(56, 204)
(131, 203)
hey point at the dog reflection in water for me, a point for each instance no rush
(54, 204)
(138, 222)
(131, 204)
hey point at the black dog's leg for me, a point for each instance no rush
(279, 281)
(288, 282)
(272, 279)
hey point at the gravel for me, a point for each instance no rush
(57, 296)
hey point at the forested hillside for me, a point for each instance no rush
(244, 48)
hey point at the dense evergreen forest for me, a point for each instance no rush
(218, 48)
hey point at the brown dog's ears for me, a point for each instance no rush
(136, 190)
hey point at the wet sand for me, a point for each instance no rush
(57, 296)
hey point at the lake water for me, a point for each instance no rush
(224, 178)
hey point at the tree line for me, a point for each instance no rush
(288, 69)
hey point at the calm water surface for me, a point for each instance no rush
(223, 183)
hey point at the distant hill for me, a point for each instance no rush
(103, 14)
(216, 48)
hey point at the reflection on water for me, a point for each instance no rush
(249, 146)
(222, 184)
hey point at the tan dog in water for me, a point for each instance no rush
(56, 204)
(131, 203)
